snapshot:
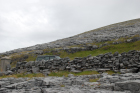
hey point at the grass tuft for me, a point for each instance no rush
(110, 72)
(62, 85)
(65, 73)
(93, 80)
(86, 73)
(59, 74)
(23, 75)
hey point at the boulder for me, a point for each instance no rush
(132, 86)
(95, 47)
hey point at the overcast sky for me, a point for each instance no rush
(25, 23)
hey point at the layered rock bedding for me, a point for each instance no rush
(116, 83)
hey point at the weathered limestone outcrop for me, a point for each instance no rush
(116, 83)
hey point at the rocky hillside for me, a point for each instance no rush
(107, 33)
(89, 63)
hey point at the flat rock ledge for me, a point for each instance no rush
(116, 83)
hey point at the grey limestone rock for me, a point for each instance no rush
(132, 86)
(123, 83)
(94, 46)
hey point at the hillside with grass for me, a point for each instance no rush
(121, 47)
(119, 37)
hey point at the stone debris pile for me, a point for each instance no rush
(124, 62)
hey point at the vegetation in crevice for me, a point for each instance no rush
(93, 79)
(65, 73)
(23, 75)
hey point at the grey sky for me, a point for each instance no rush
(25, 23)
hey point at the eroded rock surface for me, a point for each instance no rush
(116, 83)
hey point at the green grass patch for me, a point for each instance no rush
(60, 73)
(62, 85)
(23, 75)
(31, 58)
(93, 80)
(123, 47)
(86, 73)
(65, 73)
